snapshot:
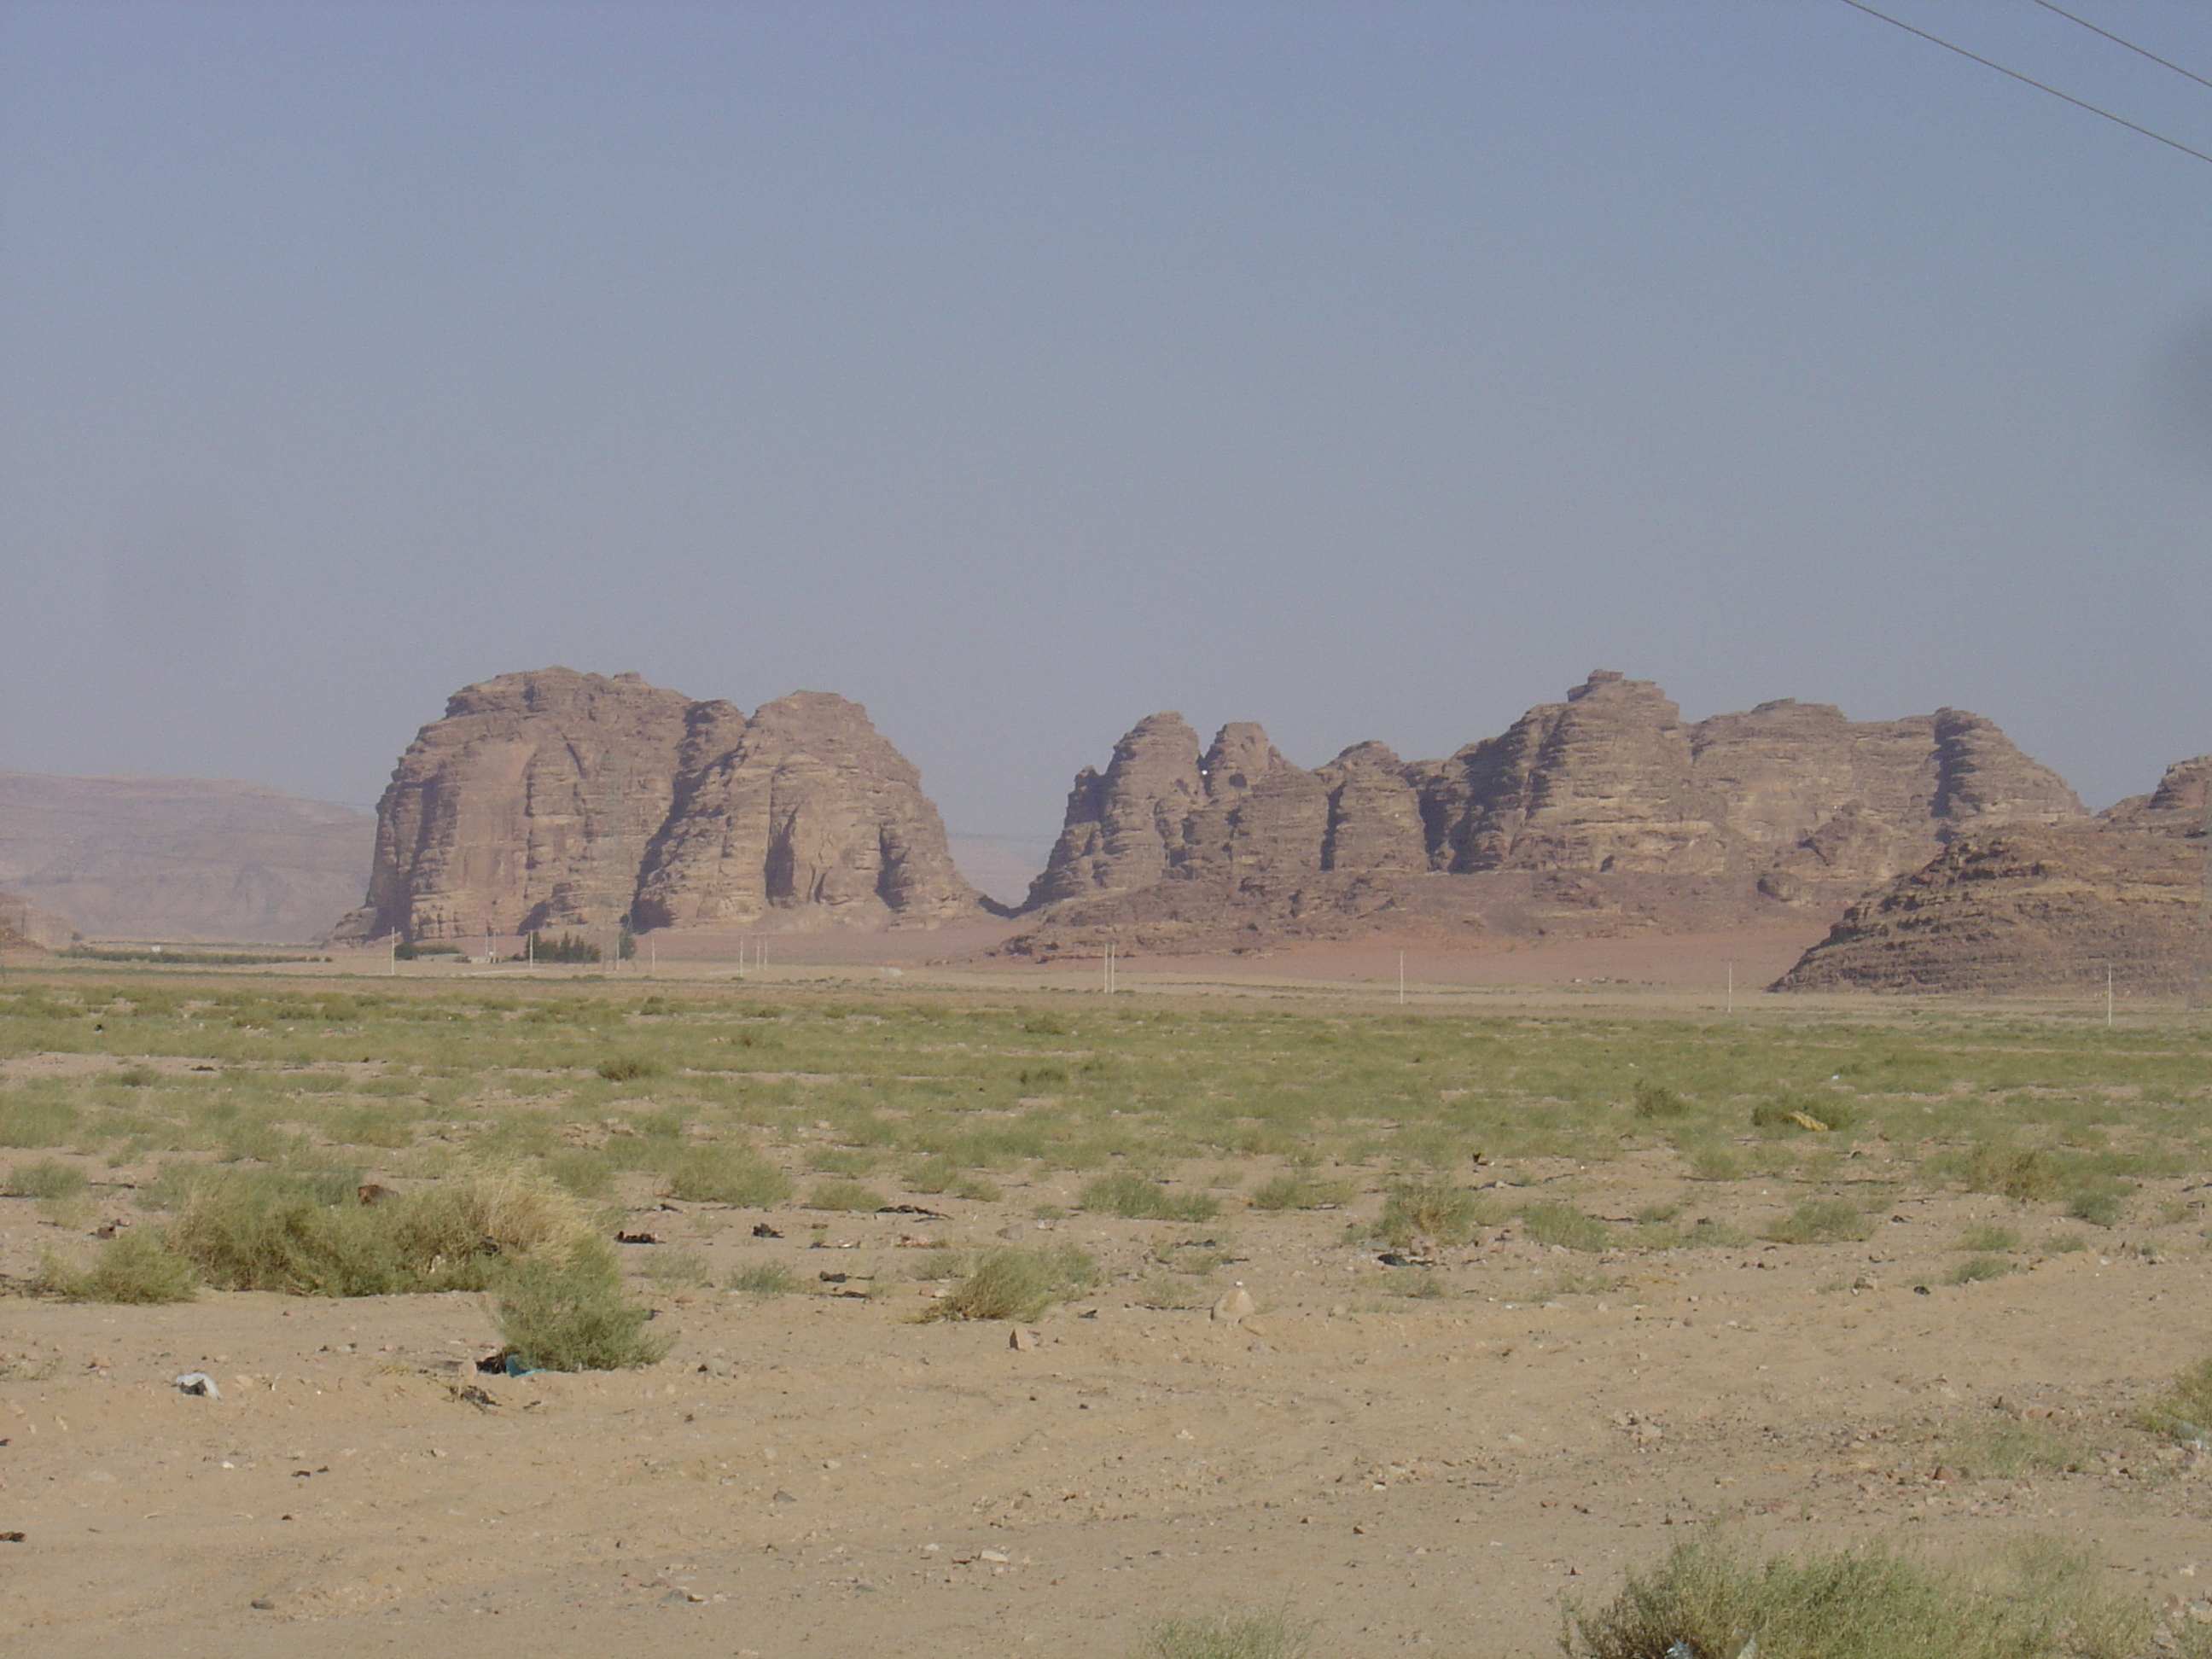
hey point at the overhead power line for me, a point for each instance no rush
(2040, 86)
(2116, 41)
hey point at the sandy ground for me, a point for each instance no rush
(1691, 970)
(824, 1473)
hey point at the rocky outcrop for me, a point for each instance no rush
(23, 925)
(1607, 802)
(809, 812)
(183, 860)
(557, 799)
(2040, 909)
(1122, 825)
(20, 932)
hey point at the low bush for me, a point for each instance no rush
(1435, 1210)
(845, 1196)
(2006, 1451)
(135, 1267)
(1125, 1193)
(628, 1068)
(727, 1175)
(29, 1120)
(1017, 1284)
(2183, 1410)
(45, 1179)
(1650, 1099)
(1706, 1599)
(1988, 1236)
(1300, 1192)
(677, 1268)
(1975, 1268)
(2025, 1175)
(764, 1278)
(1822, 1221)
(1227, 1636)
(572, 1316)
(310, 1236)
(1553, 1223)
(2100, 1201)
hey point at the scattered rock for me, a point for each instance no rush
(1023, 1340)
(200, 1383)
(1234, 1307)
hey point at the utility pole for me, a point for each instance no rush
(395, 953)
(2108, 996)
(1402, 979)
(1731, 987)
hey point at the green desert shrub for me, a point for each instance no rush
(2100, 1199)
(2025, 1175)
(1272, 1635)
(32, 1119)
(1017, 1284)
(1125, 1193)
(307, 1236)
(135, 1267)
(1822, 1221)
(1975, 1268)
(583, 1171)
(1300, 1192)
(676, 1269)
(845, 1196)
(1989, 1236)
(1436, 1211)
(764, 1278)
(48, 1178)
(2183, 1409)
(572, 1315)
(1553, 1223)
(1650, 1099)
(628, 1068)
(1705, 1598)
(727, 1175)
(2003, 1450)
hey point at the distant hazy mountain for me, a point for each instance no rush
(212, 859)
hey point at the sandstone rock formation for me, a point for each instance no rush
(1614, 812)
(22, 922)
(207, 859)
(808, 808)
(555, 800)
(2040, 909)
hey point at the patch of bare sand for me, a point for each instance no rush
(822, 1473)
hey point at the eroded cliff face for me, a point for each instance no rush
(810, 810)
(1608, 803)
(2039, 909)
(555, 800)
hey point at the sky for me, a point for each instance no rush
(1370, 370)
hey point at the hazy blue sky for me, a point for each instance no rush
(1369, 369)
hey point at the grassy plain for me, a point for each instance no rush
(1454, 1182)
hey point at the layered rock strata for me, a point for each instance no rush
(555, 800)
(2041, 910)
(1614, 810)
